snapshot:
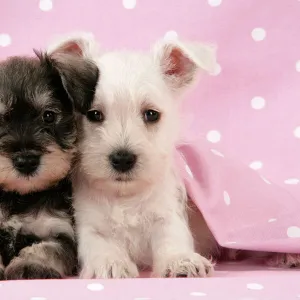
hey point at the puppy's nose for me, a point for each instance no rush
(122, 160)
(26, 163)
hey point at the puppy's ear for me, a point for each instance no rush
(180, 62)
(79, 77)
(72, 58)
(81, 44)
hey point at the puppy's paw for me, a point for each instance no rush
(2, 274)
(192, 265)
(283, 260)
(20, 269)
(110, 268)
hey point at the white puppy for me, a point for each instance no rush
(129, 200)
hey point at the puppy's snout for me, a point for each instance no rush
(26, 163)
(122, 160)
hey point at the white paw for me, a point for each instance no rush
(192, 265)
(284, 260)
(109, 268)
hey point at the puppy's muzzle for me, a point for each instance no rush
(122, 160)
(26, 163)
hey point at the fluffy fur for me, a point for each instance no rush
(38, 136)
(136, 218)
(141, 217)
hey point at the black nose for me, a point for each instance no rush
(122, 160)
(26, 163)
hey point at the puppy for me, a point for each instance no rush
(130, 203)
(38, 136)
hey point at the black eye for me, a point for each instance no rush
(95, 116)
(49, 116)
(151, 116)
(7, 116)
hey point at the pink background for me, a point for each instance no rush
(245, 117)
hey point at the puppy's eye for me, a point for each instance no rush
(95, 116)
(151, 116)
(7, 117)
(49, 116)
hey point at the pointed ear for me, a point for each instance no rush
(180, 62)
(79, 44)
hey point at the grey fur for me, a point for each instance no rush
(37, 238)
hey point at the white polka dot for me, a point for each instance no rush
(197, 294)
(226, 198)
(171, 35)
(129, 4)
(217, 71)
(258, 103)
(256, 165)
(272, 220)
(189, 171)
(38, 298)
(214, 3)
(265, 180)
(298, 66)
(292, 181)
(216, 152)
(213, 136)
(255, 286)
(95, 287)
(293, 232)
(258, 34)
(297, 132)
(5, 39)
(46, 5)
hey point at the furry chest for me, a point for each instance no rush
(127, 221)
(130, 227)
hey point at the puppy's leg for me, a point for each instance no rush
(173, 250)
(7, 244)
(102, 257)
(283, 260)
(54, 258)
(1, 269)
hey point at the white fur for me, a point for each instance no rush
(140, 221)
(43, 225)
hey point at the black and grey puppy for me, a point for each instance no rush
(38, 99)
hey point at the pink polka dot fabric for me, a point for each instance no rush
(234, 282)
(240, 146)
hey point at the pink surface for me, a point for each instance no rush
(246, 117)
(231, 282)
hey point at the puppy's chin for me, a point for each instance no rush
(54, 167)
(118, 187)
(25, 185)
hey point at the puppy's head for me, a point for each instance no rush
(37, 119)
(130, 130)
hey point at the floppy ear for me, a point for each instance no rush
(180, 62)
(72, 58)
(79, 78)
